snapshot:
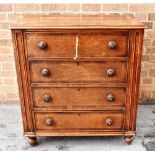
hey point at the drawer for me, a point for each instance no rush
(110, 44)
(78, 98)
(107, 71)
(99, 44)
(79, 121)
(50, 44)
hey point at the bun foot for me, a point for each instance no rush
(32, 141)
(128, 140)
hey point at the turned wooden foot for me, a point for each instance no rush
(32, 141)
(128, 140)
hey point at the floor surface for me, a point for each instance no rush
(11, 135)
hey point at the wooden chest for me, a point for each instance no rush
(78, 75)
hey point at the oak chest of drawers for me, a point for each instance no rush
(78, 75)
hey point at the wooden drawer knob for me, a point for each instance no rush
(109, 121)
(42, 45)
(110, 97)
(45, 72)
(47, 98)
(49, 122)
(112, 44)
(110, 72)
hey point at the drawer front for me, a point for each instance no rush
(111, 72)
(112, 44)
(79, 121)
(78, 98)
(102, 45)
(50, 44)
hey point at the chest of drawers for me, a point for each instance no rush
(78, 75)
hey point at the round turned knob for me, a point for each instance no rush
(108, 121)
(47, 98)
(49, 122)
(110, 97)
(42, 45)
(112, 44)
(110, 72)
(45, 72)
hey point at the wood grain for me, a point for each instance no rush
(78, 71)
(76, 22)
(79, 121)
(78, 86)
(96, 44)
(58, 44)
(80, 133)
(68, 98)
(90, 44)
(23, 78)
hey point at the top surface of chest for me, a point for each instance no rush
(82, 22)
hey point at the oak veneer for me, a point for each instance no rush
(79, 22)
(79, 121)
(90, 44)
(57, 45)
(78, 75)
(78, 71)
(78, 98)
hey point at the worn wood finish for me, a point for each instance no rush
(58, 44)
(68, 98)
(79, 22)
(81, 133)
(133, 78)
(79, 71)
(79, 85)
(23, 81)
(96, 44)
(92, 59)
(78, 75)
(90, 44)
(79, 121)
(105, 107)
